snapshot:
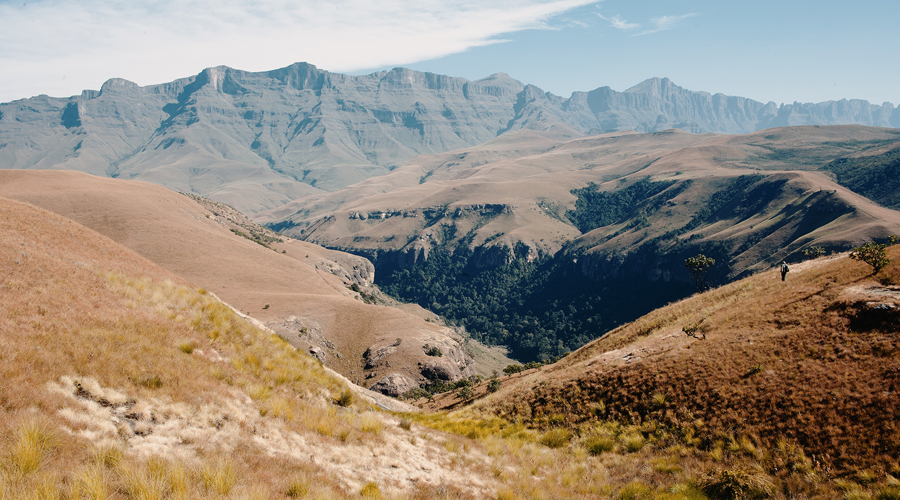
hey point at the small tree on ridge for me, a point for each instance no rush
(873, 254)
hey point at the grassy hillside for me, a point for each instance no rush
(123, 381)
(796, 380)
(876, 177)
(301, 290)
(120, 380)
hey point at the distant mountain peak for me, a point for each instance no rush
(114, 84)
(299, 129)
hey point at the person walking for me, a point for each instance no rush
(784, 270)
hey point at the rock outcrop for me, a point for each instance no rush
(394, 384)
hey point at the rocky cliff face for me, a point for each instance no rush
(259, 140)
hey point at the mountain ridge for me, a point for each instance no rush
(257, 140)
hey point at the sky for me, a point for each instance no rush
(781, 51)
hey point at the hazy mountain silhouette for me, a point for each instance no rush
(258, 140)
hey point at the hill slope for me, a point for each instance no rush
(120, 380)
(299, 289)
(813, 360)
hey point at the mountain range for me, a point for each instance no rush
(259, 140)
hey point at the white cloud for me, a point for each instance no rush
(619, 23)
(663, 23)
(60, 47)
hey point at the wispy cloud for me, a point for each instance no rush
(59, 47)
(619, 23)
(664, 23)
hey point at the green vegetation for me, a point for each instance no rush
(546, 307)
(511, 369)
(875, 177)
(595, 209)
(435, 387)
(873, 254)
(813, 252)
(699, 266)
(368, 298)
(465, 392)
(433, 351)
(539, 309)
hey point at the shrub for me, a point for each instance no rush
(509, 370)
(873, 254)
(813, 252)
(433, 351)
(493, 385)
(465, 392)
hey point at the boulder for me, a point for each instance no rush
(441, 369)
(317, 353)
(394, 384)
(374, 355)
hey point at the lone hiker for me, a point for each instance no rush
(784, 270)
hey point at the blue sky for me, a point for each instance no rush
(778, 51)
(766, 50)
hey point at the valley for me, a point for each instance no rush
(542, 244)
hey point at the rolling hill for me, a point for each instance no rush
(544, 243)
(311, 296)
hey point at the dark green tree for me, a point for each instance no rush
(873, 254)
(698, 266)
(813, 252)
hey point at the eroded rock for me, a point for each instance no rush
(394, 384)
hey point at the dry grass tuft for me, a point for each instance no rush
(33, 441)
(371, 423)
(736, 484)
(556, 438)
(219, 476)
(299, 488)
(371, 491)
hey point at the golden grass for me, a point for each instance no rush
(143, 341)
(90, 330)
(33, 441)
(371, 491)
(219, 476)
